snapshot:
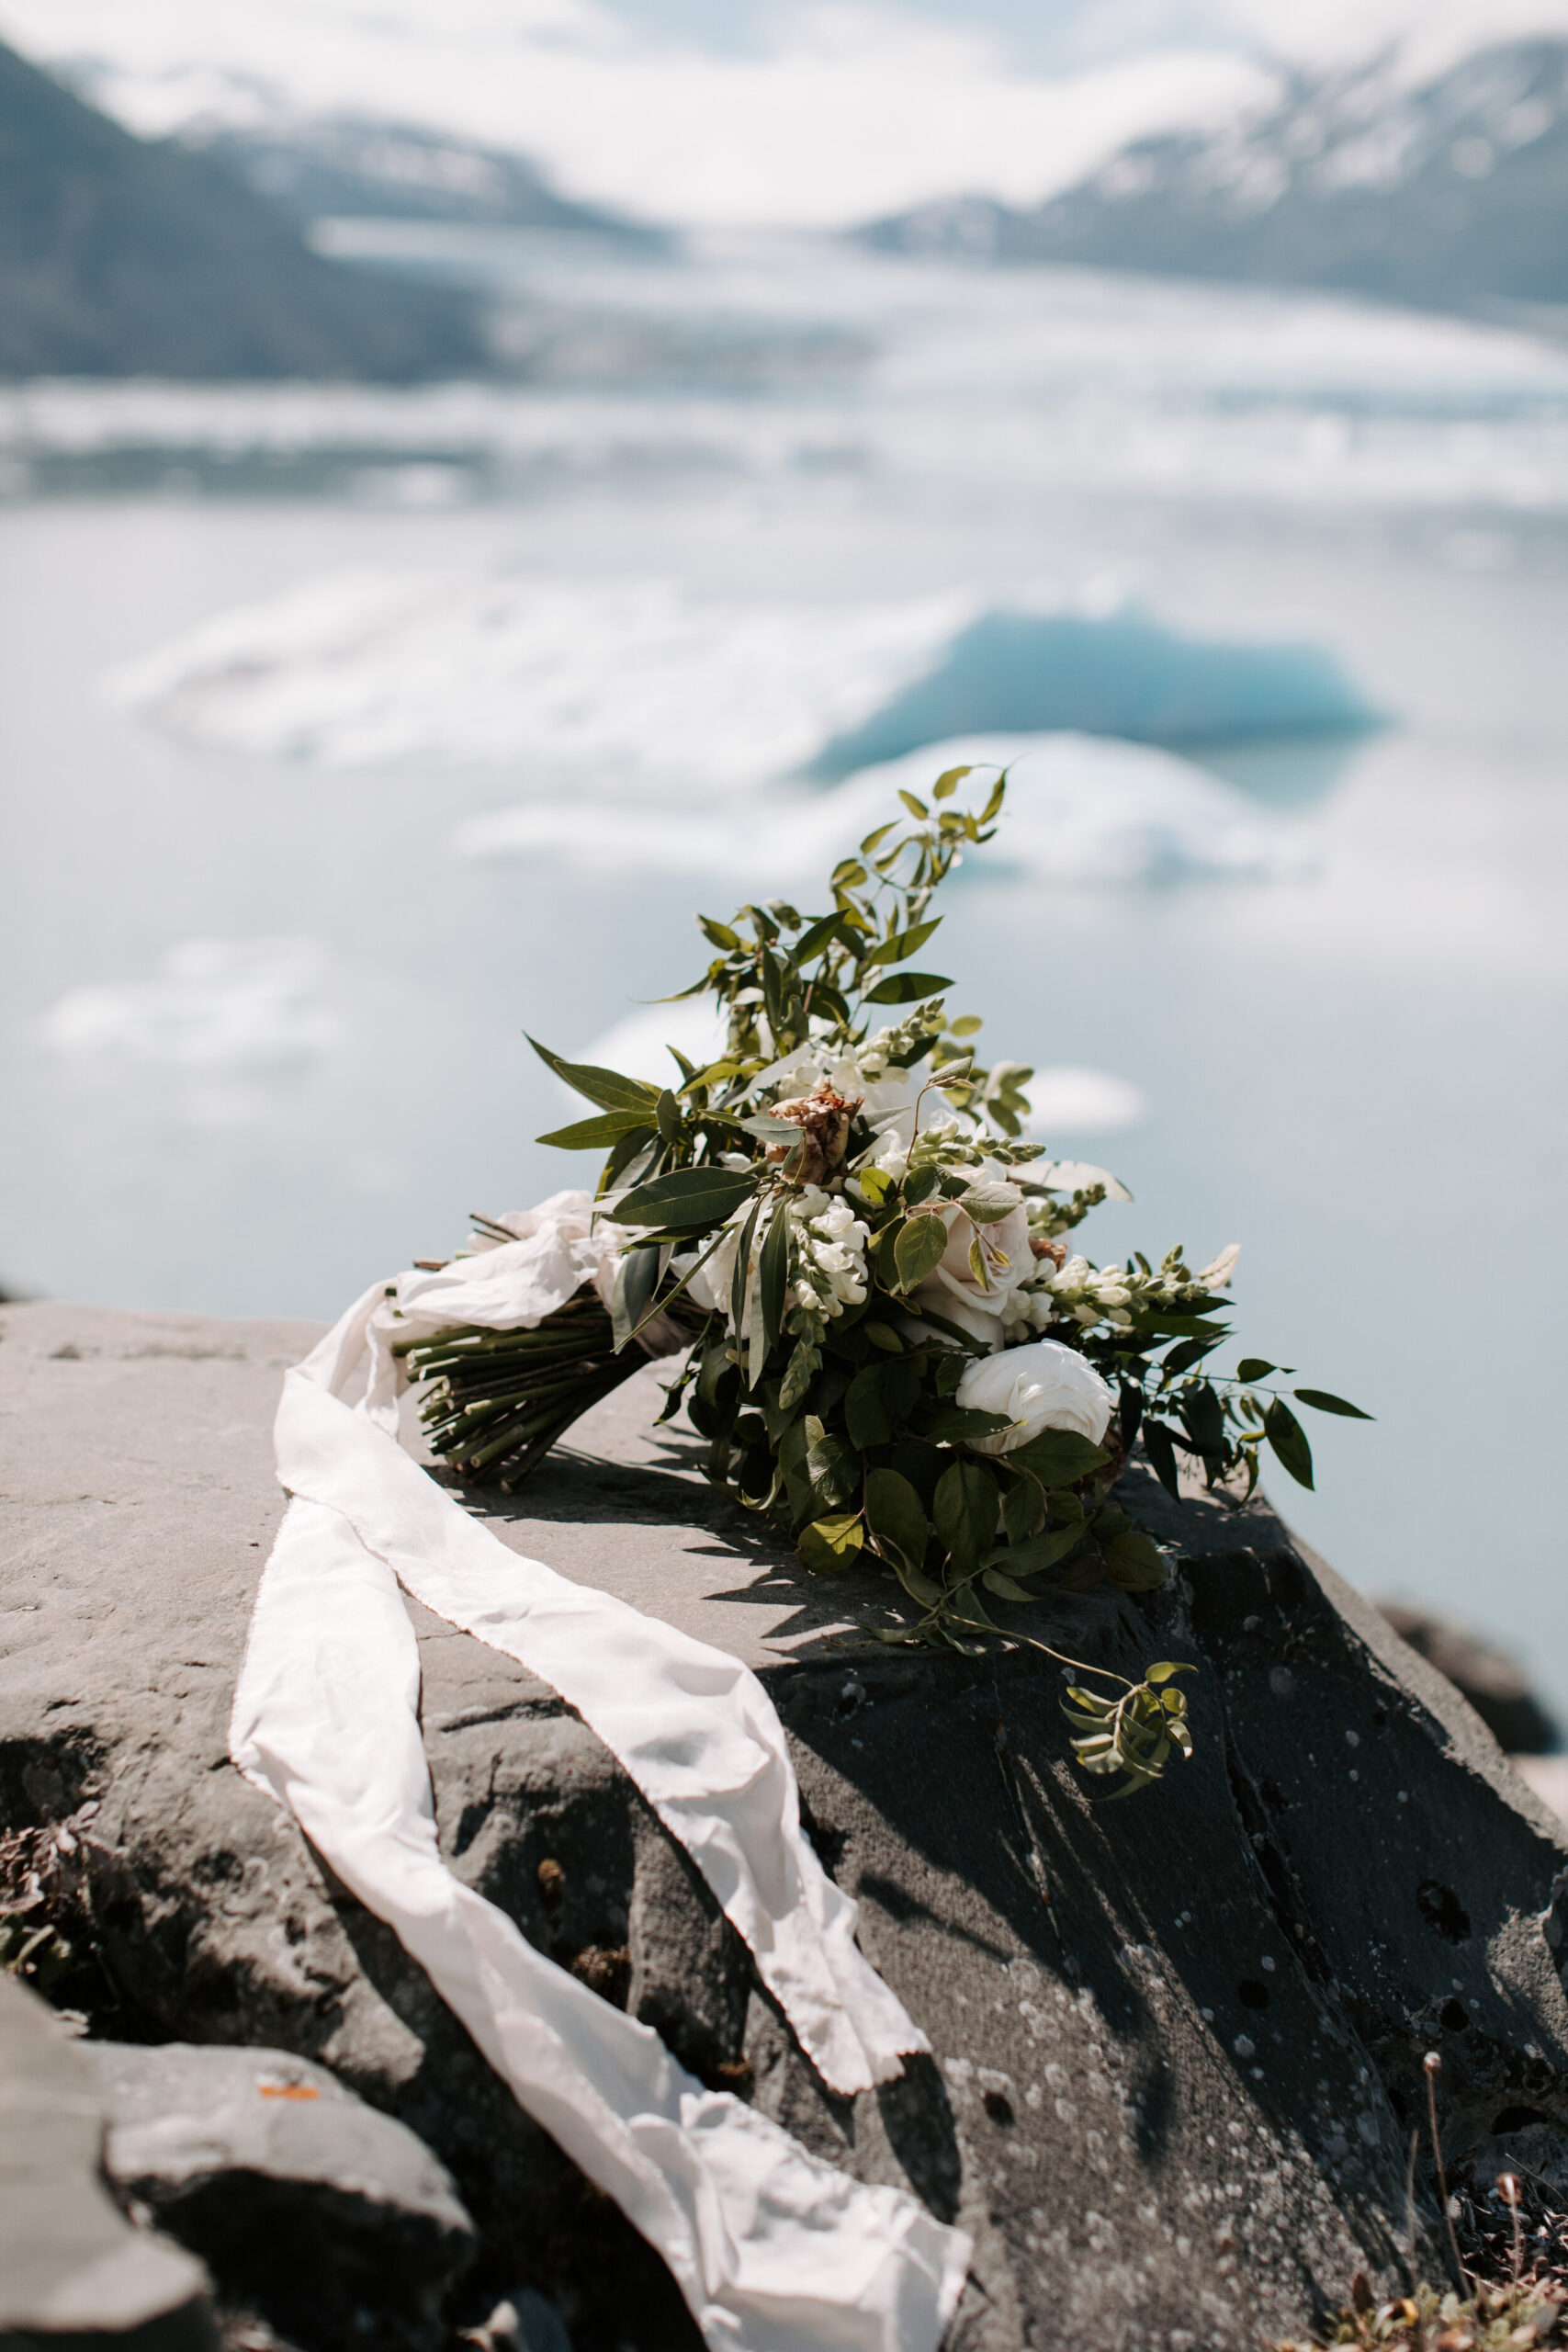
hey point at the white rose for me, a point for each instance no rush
(1042, 1386)
(953, 1291)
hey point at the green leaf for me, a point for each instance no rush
(955, 1424)
(1289, 1439)
(916, 808)
(1004, 1588)
(948, 782)
(636, 1278)
(832, 1470)
(904, 943)
(872, 1185)
(1136, 1562)
(688, 1197)
(605, 1087)
(816, 936)
(968, 1024)
(1021, 1511)
(906, 988)
(1322, 1401)
(1254, 1368)
(1189, 1351)
(1167, 1668)
(740, 1273)
(883, 1335)
(1045, 1549)
(1159, 1444)
(830, 1542)
(773, 1274)
(719, 933)
(1058, 1457)
(598, 1135)
(896, 1518)
(667, 1111)
(966, 1513)
(919, 1249)
(878, 1402)
(875, 839)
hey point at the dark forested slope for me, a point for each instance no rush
(128, 256)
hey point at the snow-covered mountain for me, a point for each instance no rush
(1451, 195)
(352, 166)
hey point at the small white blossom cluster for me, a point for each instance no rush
(1089, 1295)
(1052, 1216)
(826, 1264)
(897, 1046)
(827, 1260)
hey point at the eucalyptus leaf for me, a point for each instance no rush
(906, 988)
(1289, 1441)
(1322, 1401)
(605, 1087)
(1160, 1447)
(636, 1278)
(904, 944)
(740, 1276)
(689, 1197)
(773, 1272)
(598, 1135)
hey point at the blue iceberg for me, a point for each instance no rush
(1124, 674)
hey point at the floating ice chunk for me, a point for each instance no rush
(621, 685)
(242, 1005)
(1081, 810)
(1118, 672)
(619, 682)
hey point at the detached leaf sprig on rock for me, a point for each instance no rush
(889, 1349)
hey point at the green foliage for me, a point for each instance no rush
(829, 1346)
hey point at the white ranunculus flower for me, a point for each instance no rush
(1041, 1386)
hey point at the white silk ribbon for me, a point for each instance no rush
(774, 2250)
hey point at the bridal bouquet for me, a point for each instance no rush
(892, 1349)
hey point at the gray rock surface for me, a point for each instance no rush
(302, 2200)
(74, 2273)
(1177, 2045)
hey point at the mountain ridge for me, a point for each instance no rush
(127, 257)
(1451, 195)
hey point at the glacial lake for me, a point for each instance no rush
(348, 733)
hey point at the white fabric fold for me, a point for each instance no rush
(774, 2250)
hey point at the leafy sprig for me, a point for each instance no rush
(823, 1372)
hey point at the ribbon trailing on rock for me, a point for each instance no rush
(774, 2250)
